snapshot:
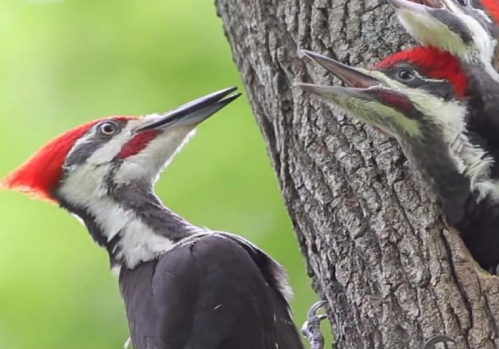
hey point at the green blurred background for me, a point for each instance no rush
(63, 63)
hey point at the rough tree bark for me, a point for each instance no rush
(376, 245)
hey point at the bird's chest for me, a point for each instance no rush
(136, 290)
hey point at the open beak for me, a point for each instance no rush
(194, 112)
(366, 97)
(357, 81)
(334, 92)
(350, 76)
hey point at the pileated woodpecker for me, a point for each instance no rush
(469, 30)
(465, 28)
(419, 97)
(183, 286)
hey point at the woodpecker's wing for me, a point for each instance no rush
(231, 305)
(276, 277)
(205, 294)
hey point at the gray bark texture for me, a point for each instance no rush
(374, 239)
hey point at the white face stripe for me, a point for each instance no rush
(137, 241)
(451, 120)
(430, 31)
(112, 148)
(469, 159)
(377, 114)
(157, 155)
(424, 28)
(485, 46)
(425, 78)
(483, 43)
(86, 187)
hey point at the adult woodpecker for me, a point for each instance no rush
(468, 29)
(419, 97)
(182, 286)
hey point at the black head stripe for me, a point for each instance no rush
(435, 87)
(473, 4)
(80, 154)
(85, 150)
(455, 25)
(474, 10)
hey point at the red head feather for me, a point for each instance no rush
(492, 8)
(42, 172)
(433, 63)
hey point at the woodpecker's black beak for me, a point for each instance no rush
(194, 112)
(350, 76)
(357, 81)
(368, 95)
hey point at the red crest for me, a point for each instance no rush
(492, 8)
(433, 63)
(42, 173)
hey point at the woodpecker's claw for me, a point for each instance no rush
(430, 343)
(311, 329)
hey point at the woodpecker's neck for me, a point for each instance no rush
(433, 159)
(483, 91)
(454, 161)
(131, 223)
(482, 79)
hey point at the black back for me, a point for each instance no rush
(211, 292)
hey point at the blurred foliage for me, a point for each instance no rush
(63, 63)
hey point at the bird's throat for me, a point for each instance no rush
(131, 224)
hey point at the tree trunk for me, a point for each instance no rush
(373, 236)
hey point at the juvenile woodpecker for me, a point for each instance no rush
(182, 286)
(468, 29)
(465, 28)
(419, 97)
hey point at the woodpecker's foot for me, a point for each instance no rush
(311, 329)
(430, 343)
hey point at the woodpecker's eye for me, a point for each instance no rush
(463, 2)
(108, 128)
(406, 75)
